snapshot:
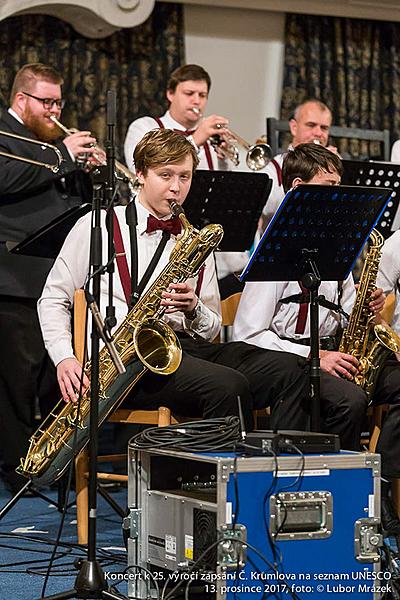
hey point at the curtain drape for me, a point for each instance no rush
(352, 65)
(135, 62)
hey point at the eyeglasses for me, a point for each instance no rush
(47, 102)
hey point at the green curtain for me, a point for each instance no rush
(352, 65)
(135, 62)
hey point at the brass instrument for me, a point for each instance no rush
(370, 344)
(143, 342)
(257, 155)
(121, 171)
(44, 145)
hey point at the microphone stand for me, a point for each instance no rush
(90, 581)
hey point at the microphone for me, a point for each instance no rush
(104, 334)
(111, 107)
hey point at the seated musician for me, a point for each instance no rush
(211, 376)
(276, 325)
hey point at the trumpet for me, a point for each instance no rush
(257, 155)
(121, 171)
(44, 145)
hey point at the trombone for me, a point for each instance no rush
(121, 171)
(44, 145)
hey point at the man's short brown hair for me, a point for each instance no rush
(163, 147)
(188, 73)
(306, 160)
(29, 74)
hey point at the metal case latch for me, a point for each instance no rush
(131, 523)
(231, 551)
(301, 515)
(367, 540)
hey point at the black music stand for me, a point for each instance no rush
(317, 234)
(231, 198)
(47, 241)
(377, 174)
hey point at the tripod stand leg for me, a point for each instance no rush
(15, 499)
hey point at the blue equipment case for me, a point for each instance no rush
(261, 527)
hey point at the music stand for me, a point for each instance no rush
(317, 234)
(377, 174)
(233, 199)
(47, 241)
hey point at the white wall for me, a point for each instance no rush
(243, 51)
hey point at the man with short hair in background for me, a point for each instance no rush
(310, 123)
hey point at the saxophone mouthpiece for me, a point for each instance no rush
(176, 209)
(197, 111)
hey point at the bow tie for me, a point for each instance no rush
(174, 225)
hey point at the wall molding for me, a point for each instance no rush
(91, 18)
(377, 10)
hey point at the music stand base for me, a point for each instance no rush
(89, 583)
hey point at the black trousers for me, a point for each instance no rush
(212, 376)
(26, 373)
(343, 406)
(388, 391)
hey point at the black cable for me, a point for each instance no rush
(208, 435)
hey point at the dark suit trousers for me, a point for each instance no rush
(26, 373)
(212, 376)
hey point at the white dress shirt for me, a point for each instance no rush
(139, 127)
(395, 154)
(262, 320)
(70, 272)
(277, 192)
(389, 274)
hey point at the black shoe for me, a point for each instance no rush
(389, 518)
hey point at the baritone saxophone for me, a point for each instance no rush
(143, 341)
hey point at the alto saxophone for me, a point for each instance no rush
(370, 344)
(143, 341)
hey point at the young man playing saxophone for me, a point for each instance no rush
(280, 326)
(211, 376)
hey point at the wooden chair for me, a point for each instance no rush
(161, 417)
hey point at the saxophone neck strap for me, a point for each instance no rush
(129, 281)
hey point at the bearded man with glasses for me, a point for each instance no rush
(30, 197)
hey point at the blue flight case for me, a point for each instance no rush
(292, 526)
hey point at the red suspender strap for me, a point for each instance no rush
(122, 263)
(159, 122)
(200, 281)
(208, 156)
(278, 171)
(303, 312)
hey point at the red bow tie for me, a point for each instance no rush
(174, 225)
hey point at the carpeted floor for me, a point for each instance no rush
(27, 534)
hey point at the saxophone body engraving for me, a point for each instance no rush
(143, 341)
(370, 344)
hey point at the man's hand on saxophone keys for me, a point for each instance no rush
(69, 376)
(180, 297)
